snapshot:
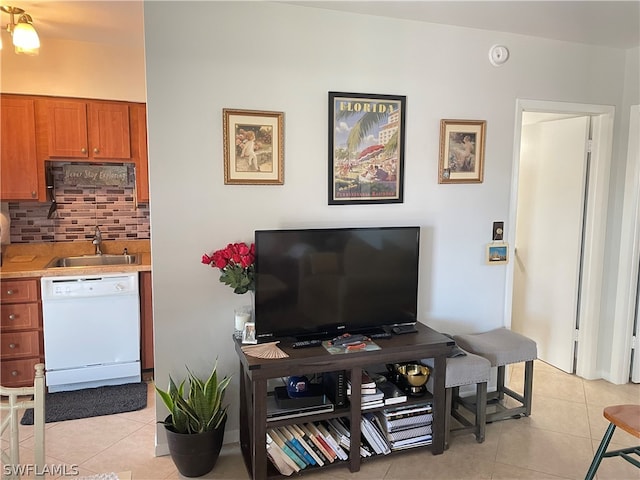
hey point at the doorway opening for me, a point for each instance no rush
(557, 229)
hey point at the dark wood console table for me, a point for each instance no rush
(254, 373)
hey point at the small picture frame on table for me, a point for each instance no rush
(461, 151)
(249, 333)
(497, 253)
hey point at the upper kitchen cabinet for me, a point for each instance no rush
(92, 130)
(18, 159)
(138, 118)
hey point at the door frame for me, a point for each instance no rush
(595, 220)
(629, 259)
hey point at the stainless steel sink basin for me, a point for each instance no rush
(94, 261)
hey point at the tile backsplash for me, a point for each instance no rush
(79, 210)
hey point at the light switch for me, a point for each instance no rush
(498, 231)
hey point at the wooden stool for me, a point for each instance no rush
(503, 347)
(468, 369)
(627, 417)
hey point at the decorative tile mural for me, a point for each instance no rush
(79, 209)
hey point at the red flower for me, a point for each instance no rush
(237, 263)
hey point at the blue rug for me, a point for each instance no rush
(91, 402)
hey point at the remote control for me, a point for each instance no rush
(380, 335)
(306, 343)
(402, 329)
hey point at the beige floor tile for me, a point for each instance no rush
(543, 450)
(509, 472)
(133, 453)
(559, 416)
(603, 393)
(75, 441)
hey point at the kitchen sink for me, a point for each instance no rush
(94, 261)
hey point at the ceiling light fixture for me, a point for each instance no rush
(25, 38)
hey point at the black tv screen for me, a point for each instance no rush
(317, 283)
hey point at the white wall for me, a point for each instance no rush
(76, 69)
(286, 58)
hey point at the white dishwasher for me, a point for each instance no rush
(91, 330)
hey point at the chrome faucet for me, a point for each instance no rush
(97, 240)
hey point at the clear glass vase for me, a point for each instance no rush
(243, 314)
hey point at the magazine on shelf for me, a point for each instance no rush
(395, 413)
(404, 423)
(365, 346)
(369, 425)
(409, 433)
(412, 443)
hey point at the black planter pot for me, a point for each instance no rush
(195, 454)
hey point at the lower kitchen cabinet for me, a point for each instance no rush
(21, 340)
(146, 321)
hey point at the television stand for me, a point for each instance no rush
(255, 372)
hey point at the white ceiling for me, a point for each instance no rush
(607, 23)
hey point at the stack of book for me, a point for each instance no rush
(406, 427)
(371, 395)
(393, 395)
(292, 448)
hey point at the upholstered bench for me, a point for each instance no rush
(461, 370)
(503, 347)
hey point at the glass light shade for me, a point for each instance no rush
(25, 38)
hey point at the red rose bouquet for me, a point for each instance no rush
(237, 264)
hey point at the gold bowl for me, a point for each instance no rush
(415, 374)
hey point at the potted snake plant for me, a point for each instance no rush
(196, 421)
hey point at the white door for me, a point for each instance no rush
(548, 237)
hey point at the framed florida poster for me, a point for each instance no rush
(366, 148)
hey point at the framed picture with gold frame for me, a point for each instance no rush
(253, 147)
(461, 151)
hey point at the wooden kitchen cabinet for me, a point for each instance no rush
(146, 321)
(92, 130)
(138, 120)
(18, 158)
(21, 339)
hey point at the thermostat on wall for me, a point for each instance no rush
(498, 55)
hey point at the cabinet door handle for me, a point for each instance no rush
(96, 150)
(14, 373)
(9, 292)
(12, 345)
(12, 316)
(83, 150)
(33, 194)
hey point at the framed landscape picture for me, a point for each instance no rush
(497, 253)
(366, 148)
(461, 151)
(253, 147)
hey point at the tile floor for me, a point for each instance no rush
(556, 442)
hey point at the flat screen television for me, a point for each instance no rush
(319, 283)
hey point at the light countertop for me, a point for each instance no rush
(29, 260)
